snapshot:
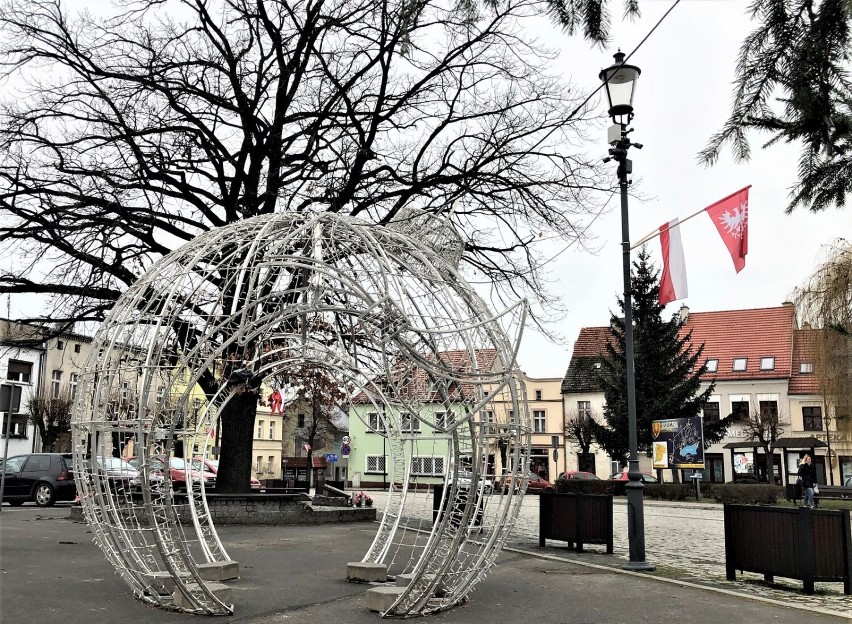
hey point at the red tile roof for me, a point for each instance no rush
(751, 334)
(728, 334)
(591, 342)
(411, 381)
(804, 351)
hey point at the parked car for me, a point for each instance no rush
(536, 484)
(579, 474)
(175, 470)
(118, 472)
(212, 465)
(622, 476)
(486, 486)
(40, 477)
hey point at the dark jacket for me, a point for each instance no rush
(807, 473)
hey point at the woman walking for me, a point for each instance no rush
(807, 478)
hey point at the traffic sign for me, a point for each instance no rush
(331, 457)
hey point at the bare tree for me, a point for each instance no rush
(317, 394)
(51, 416)
(824, 303)
(129, 133)
(764, 426)
(578, 429)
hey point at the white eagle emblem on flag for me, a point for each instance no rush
(736, 222)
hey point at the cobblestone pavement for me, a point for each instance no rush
(685, 541)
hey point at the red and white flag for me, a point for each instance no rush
(673, 280)
(730, 216)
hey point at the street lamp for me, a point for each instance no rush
(620, 81)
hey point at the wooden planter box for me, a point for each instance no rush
(578, 519)
(805, 544)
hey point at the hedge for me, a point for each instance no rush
(747, 493)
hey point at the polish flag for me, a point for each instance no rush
(730, 216)
(673, 280)
(307, 447)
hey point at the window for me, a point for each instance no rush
(740, 407)
(740, 364)
(77, 348)
(538, 421)
(427, 466)
(767, 363)
(445, 419)
(584, 409)
(56, 384)
(72, 385)
(125, 390)
(410, 424)
(375, 463)
(376, 423)
(271, 462)
(711, 412)
(18, 422)
(60, 344)
(37, 463)
(300, 420)
(812, 418)
(259, 465)
(806, 368)
(259, 429)
(271, 431)
(538, 395)
(768, 411)
(19, 371)
(712, 366)
(161, 393)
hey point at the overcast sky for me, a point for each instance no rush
(682, 98)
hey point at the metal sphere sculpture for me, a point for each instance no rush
(381, 311)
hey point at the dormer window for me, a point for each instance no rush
(712, 366)
(740, 364)
(806, 367)
(767, 363)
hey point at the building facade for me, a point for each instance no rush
(760, 362)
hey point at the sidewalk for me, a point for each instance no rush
(51, 572)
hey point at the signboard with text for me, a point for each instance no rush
(678, 443)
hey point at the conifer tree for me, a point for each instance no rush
(667, 371)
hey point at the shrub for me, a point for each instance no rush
(669, 491)
(747, 493)
(573, 486)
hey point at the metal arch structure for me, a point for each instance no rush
(381, 311)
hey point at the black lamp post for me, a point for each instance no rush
(620, 81)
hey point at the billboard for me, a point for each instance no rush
(678, 443)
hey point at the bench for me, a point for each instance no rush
(833, 492)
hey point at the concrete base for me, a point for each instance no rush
(162, 583)
(366, 572)
(382, 598)
(404, 580)
(220, 590)
(219, 570)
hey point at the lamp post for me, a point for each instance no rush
(619, 82)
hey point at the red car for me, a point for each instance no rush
(578, 474)
(536, 484)
(212, 465)
(175, 470)
(622, 476)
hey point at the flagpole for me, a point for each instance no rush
(656, 232)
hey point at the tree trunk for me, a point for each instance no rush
(235, 461)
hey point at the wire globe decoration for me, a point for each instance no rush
(382, 311)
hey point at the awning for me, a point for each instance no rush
(786, 443)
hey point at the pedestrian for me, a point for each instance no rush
(807, 479)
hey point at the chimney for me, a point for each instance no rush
(683, 313)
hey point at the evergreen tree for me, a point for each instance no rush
(667, 371)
